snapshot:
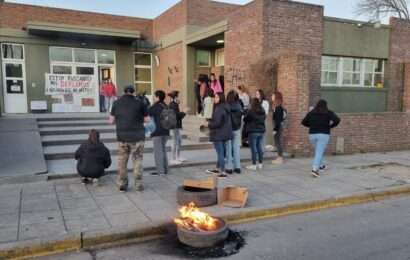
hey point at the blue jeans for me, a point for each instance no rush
(220, 153)
(233, 148)
(319, 142)
(256, 143)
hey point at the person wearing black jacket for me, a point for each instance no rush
(320, 121)
(176, 133)
(220, 127)
(234, 146)
(278, 117)
(160, 135)
(255, 128)
(92, 158)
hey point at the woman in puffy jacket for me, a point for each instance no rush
(255, 128)
(92, 158)
(220, 127)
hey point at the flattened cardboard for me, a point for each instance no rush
(233, 197)
(209, 183)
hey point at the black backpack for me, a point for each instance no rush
(168, 118)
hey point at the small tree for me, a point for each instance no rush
(376, 9)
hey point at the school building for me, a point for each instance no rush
(55, 59)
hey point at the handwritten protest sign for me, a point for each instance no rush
(70, 84)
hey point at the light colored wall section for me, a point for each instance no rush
(346, 38)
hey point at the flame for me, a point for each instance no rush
(195, 220)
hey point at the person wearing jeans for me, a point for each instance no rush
(255, 127)
(234, 146)
(278, 117)
(220, 127)
(176, 133)
(320, 121)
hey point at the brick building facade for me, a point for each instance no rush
(362, 69)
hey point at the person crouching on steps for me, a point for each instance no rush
(221, 134)
(255, 128)
(92, 158)
(319, 121)
(176, 133)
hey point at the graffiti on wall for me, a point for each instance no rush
(172, 71)
(235, 77)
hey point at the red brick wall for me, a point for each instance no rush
(261, 31)
(16, 16)
(205, 12)
(170, 67)
(171, 20)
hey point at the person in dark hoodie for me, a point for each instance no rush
(92, 158)
(220, 127)
(176, 133)
(278, 117)
(320, 121)
(255, 127)
(234, 146)
(160, 135)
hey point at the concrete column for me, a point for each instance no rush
(188, 77)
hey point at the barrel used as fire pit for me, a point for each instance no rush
(198, 229)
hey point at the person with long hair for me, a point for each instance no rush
(244, 96)
(255, 127)
(260, 95)
(234, 147)
(92, 158)
(320, 121)
(278, 117)
(215, 85)
(220, 127)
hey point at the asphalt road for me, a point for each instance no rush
(375, 231)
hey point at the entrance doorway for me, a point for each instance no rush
(105, 73)
(14, 80)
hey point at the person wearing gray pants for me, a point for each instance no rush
(160, 135)
(160, 154)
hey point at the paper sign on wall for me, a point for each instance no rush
(69, 84)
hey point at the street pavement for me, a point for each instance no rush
(47, 209)
(376, 231)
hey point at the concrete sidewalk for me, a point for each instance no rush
(44, 211)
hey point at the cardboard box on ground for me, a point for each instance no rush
(231, 196)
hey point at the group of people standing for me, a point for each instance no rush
(234, 118)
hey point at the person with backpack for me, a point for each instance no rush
(165, 119)
(176, 132)
(234, 146)
(278, 117)
(320, 121)
(92, 158)
(255, 127)
(129, 114)
(220, 127)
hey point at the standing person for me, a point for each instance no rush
(215, 85)
(255, 127)
(160, 135)
(176, 133)
(102, 97)
(244, 96)
(234, 146)
(93, 158)
(129, 113)
(320, 121)
(110, 94)
(262, 99)
(220, 133)
(278, 117)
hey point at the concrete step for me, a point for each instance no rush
(67, 151)
(73, 123)
(73, 130)
(66, 168)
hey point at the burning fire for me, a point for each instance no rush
(195, 220)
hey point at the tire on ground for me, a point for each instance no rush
(201, 197)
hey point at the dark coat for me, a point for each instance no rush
(92, 160)
(320, 123)
(180, 115)
(220, 125)
(155, 112)
(255, 121)
(278, 117)
(237, 112)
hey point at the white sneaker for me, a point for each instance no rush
(181, 159)
(260, 166)
(252, 167)
(175, 162)
(278, 161)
